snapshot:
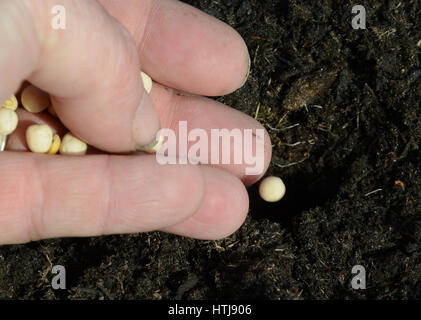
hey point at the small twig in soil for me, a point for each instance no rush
(255, 54)
(322, 127)
(312, 106)
(272, 128)
(311, 141)
(292, 144)
(358, 120)
(315, 106)
(371, 192)
(257, 111)
(50, 265)
(290, 127)
(282, 119)
(291, 164)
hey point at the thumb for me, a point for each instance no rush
(90, 68)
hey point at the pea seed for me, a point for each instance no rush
(55, 145)
(71, 145)
(39, 138)
(8, 121)
(35, 100)
(147, 82)
(11, 103)
(272, 189)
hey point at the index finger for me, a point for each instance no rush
(184, 48)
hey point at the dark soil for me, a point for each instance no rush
(350, 159)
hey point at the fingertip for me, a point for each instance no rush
(189, 50)
(236, 67)
(222, 211)
(248, 180)
(228, 200)
(228, 66)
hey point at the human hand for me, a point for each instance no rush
(91, 70)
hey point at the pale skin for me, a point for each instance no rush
(93, 78)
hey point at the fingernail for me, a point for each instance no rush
(154, 145)
(146, 125)
(248, 73)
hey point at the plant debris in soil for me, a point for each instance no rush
(343, 112)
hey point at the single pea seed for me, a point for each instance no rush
(147, 82)
(35, 100)
(272, 189)
(39, 138)
(11, 103)
(55, 145)
(71, 145)
(8, 121)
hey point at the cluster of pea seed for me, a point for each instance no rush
(40, 138)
